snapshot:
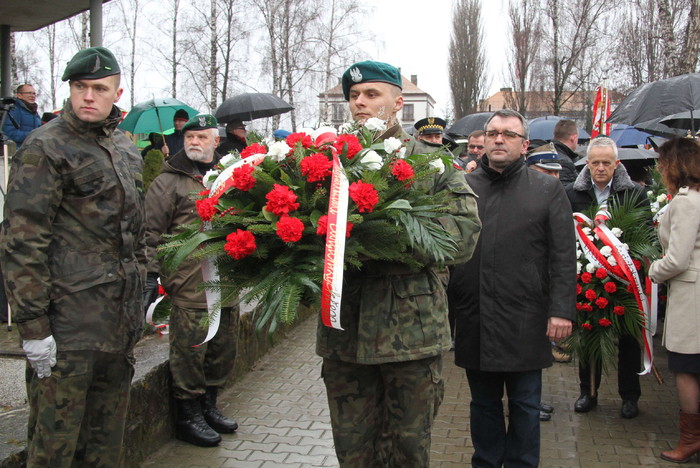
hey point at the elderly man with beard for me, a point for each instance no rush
(198, 372)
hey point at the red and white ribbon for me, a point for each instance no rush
(332, 288)
(161, 328)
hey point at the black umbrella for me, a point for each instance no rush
(629, 154)
(469, 123)
(688, 120)
(251, 106)
(650, 103)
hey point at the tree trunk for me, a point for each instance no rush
(213, 69)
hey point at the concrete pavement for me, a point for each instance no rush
(281, 408)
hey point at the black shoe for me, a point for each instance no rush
(544, 416)
(585, 403)
(546, 408)
(629, 409)
(191, 426)
(213, 416)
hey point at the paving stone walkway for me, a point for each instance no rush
(281, 409)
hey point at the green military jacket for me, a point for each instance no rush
(72, 240)
(390, 313)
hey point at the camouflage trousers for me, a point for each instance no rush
(194, 368)
(382, 414)
(77, 415)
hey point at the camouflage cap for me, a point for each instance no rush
(91, 64)
(201, 122)
(367, 71)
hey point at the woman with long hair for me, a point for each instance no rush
(679, 233)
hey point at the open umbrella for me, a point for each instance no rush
(251, 106)
(153, 115)
(626, 135)
(687, 120)
(647, 105)
(542, 128)
(467, 124)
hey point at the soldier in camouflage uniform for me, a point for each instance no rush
(383, 372)
(198, 372)
(72, 254)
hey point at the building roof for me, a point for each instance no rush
(540, 102)
(30, 15)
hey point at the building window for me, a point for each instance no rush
(338, 112)
(408, 112)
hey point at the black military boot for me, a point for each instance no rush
(213, 416)
(191, 426)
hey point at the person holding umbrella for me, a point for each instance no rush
(235, 137)
(175, 141)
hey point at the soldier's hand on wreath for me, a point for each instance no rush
(150, 290)
(41, 355)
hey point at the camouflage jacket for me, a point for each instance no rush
(390, 313)
(170, 204)
(72, 239)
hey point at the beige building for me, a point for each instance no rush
(333, 108)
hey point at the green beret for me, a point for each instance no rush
(91, 64)
(368, 70)
(201, 122)
(430, 126)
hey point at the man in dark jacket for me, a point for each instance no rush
(515, 295)
(175, 141)
(24, 114)
(235, 138)
(198, 372)
(604, 180)
(565, 141)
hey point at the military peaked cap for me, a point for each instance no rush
(367, 71)
(430, 126)
(544, 156)
(91, 64)
(201, 122)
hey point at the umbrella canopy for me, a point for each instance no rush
(469, 123)
(687, 120)
(651, 102)
(153, 115)
(542, 128)
(626, 135)
(251, 106)
(629, 154)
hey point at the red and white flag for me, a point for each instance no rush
(601, 112)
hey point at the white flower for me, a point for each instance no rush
(662, 198)
(612, 261)
(625, 247)
(391, 144)
(374, 124)
(439, 164)
(209, 178)
(402, 152)
(347, 127)
(606, 250)
(278, 150)
(372, 160)
(268, 140)
(586, 231)
(578, 267)
(650, 193)
(590, 268)
(654, 208)
(227, 160)
(578, 252)
(617, 232)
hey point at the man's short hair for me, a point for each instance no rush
(602, 142)
(505, 113)
(19, 88)
(564, 129)
(476, 134)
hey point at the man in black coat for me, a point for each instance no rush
(604, 180)
(565, 141)
(515, 295)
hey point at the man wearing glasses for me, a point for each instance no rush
(24, 114)
(514, 296)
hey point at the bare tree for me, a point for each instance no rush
(50, 32)
(213, 66)
(687, 59)
(467, 62)
(130, 13)
(231, 36)
(526, 34)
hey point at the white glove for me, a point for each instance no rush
(41, 355)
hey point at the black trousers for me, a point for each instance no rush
(628, 364)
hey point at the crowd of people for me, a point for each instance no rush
(80, 233)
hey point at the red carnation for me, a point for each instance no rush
(579, 306)
(206, 207)
(604, 322)
(298, 137)
(353, 144)
(637, 264)
(587, 308)
(587, 326)
(364, 195)
(289, 229)
(240, 244)
(601, 302)
(242, 177)
(618, 310)
(586, 277)
(161, 291)
(255, 148)
(600, 273)
(322, 227)
(610, 287)
(590, 295)
(579, 289)
(316, 167)
(402, 170)
(281, 200)
(630, 288)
